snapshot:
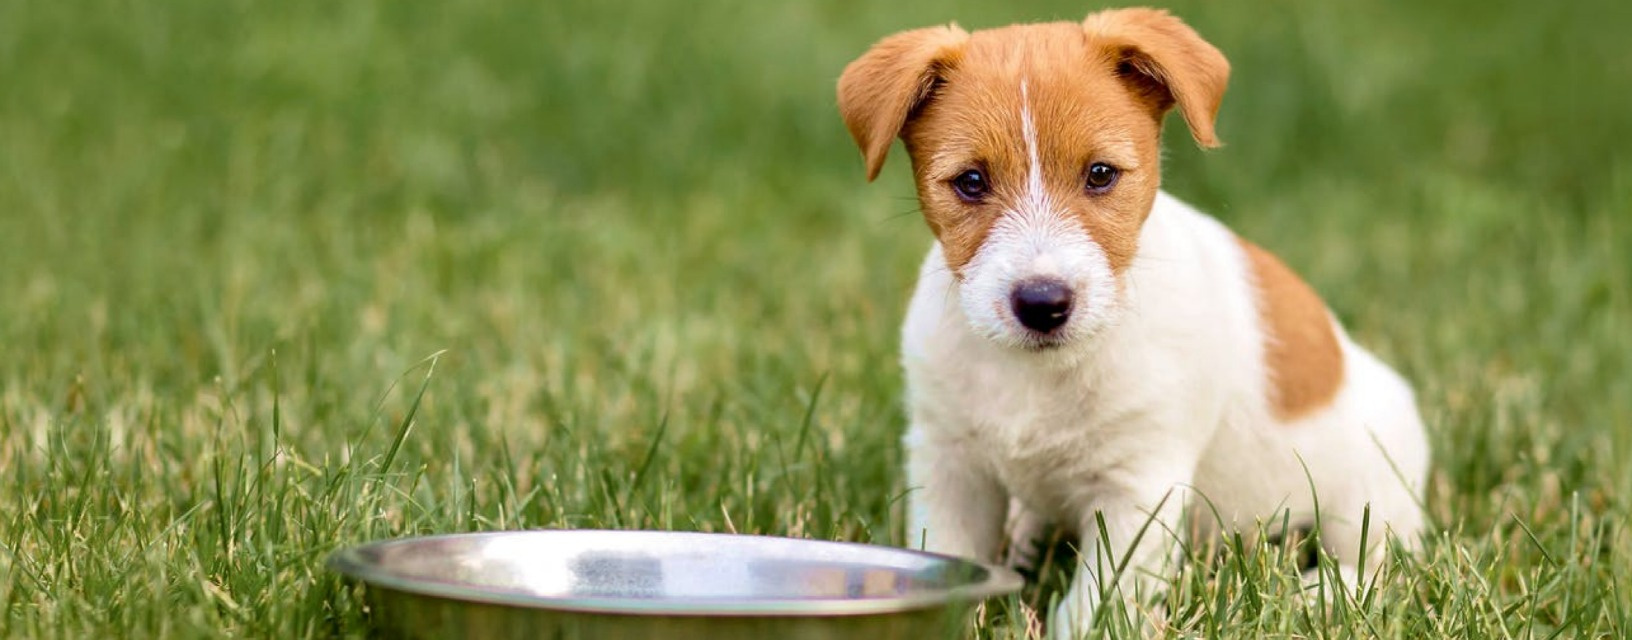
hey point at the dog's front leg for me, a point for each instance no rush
(954, 505)
(1128, 547)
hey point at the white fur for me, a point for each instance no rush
(1158, 393)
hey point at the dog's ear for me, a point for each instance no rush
(881, 89)
(1164, 61)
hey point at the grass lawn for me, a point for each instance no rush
(281, 277)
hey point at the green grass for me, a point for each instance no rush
(636, 246)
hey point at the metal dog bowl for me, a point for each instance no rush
(651, 584)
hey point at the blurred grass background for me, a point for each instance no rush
(663, 296)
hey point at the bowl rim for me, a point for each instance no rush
(351, 562)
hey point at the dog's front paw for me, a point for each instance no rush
(1070, 619)
(1332, 584)
(1079, 611)
(1026, 532)
(1074, 614)
(1024, 554)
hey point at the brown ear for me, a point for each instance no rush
(1165, 59)
(879, 90)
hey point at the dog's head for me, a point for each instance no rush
(1036, 152)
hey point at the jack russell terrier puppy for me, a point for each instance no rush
(1086, 351)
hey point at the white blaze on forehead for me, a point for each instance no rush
(1036, 207)
(1036, 198)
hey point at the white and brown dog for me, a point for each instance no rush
(1086, 351)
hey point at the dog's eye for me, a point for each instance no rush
(1101, 177)
(971, 185)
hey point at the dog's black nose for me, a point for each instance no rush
(1041, 305)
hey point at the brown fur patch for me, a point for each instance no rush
(1096, 91)
(1301, 351)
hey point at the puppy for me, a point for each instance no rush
(1086, 351)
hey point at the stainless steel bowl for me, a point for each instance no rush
(652, 584)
